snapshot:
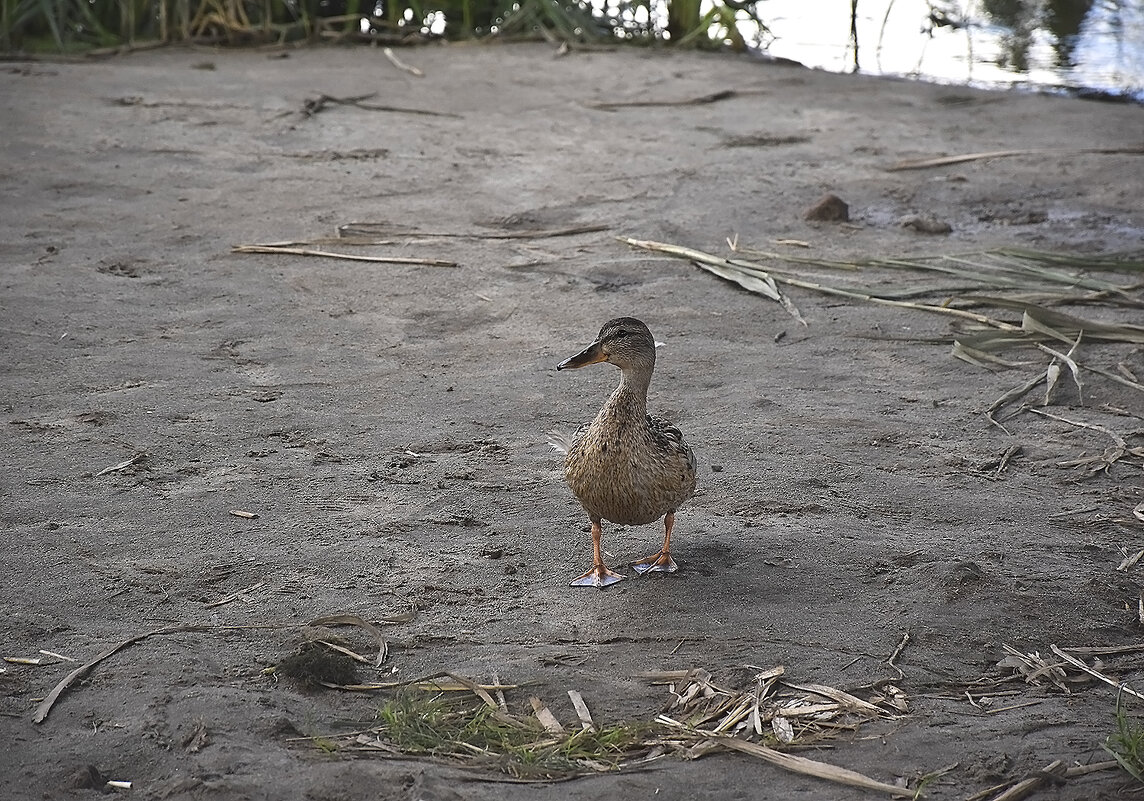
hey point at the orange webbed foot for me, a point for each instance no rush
(656, 563)
(599, 576)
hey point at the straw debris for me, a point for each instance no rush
(1034, 668)
(996, 300)
(1065, 667)
(700, 717)
(45, 706)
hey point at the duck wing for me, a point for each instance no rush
(666, 435)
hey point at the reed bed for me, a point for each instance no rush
(99, 26)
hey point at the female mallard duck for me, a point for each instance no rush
(627, 466)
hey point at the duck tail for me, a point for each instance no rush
(560, 441)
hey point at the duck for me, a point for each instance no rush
(626, 466)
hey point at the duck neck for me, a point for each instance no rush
(631, 395)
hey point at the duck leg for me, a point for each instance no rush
(662, 561)
(599, 575)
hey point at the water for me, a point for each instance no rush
(1093, 47)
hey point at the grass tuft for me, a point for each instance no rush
(438, 726)
(1126, 744)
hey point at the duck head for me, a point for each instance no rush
(625, 342)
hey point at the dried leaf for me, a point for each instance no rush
(844, 698)
(1051, 375)
(784, 732)
(1066, 327)
(46, 705)
(1033, 667)
(751, 277)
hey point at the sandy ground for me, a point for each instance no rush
(848, 490)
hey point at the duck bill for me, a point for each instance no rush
(593, 354)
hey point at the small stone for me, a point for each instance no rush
(830, 208)
(716, 468)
